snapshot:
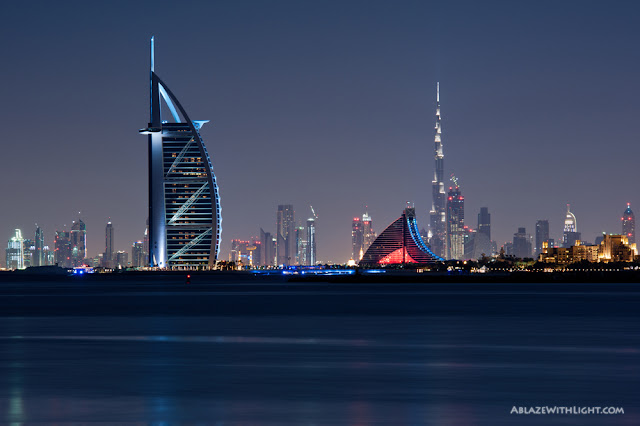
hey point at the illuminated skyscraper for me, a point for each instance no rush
(108, 259)
(311, 242)
(285, 235)
(357, 239)
(438, 213)
(78, 243)
(15, 251)
(571, 234)
(455, 223)
(137, 254)
(542, 235)
(184, 205)
(629, 224)
(38, 255)
(367, 229)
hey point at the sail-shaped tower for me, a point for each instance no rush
(184, 203)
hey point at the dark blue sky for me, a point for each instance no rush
(324, 103)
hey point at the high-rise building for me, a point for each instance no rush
(455, 223)
(29, 248)
(482, 237)
(311, 242)
(267, 249)
(137, 254)
(62, 255)
(629, 224)
(571, 234)
(438, 213)
(357, 239)
(521, 244)
(369, 234)
(122, 259)
(184, 205)
(38, 255)
(78, 243)
(285, 235)
(301, 245)
(108, 259)
(15, 251)
(542, 235)
(256, 252)
(48, 255)
(484, 222)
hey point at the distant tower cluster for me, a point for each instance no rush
(455, 222)
(438, 213)
(362, 236)
(629, 224)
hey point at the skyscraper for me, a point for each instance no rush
(311, 242)
(357, 239)
(480, 241)
(62, 255)
(38, 255)
(455, 223)
(571, 234)
(285, 235)
(184, 205)
(542, 235)
(369, 234)
(78, 243)
(15, 251)
(521, 244)
(108, 259)
(438, 215)
(137, 254)
(629, 224)
(267, 249)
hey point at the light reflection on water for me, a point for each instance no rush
(356, 370)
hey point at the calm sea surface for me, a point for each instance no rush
(316, 354)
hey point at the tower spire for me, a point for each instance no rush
(152, 54)
(438, 92)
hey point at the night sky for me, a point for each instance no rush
(324, 103)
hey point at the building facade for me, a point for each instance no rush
(184, 204)
(521, 244)
(357, 239)
(137, 254)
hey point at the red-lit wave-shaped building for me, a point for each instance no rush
(399, 243)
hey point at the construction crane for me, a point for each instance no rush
(315, 216)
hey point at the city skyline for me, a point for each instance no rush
(286, 96)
